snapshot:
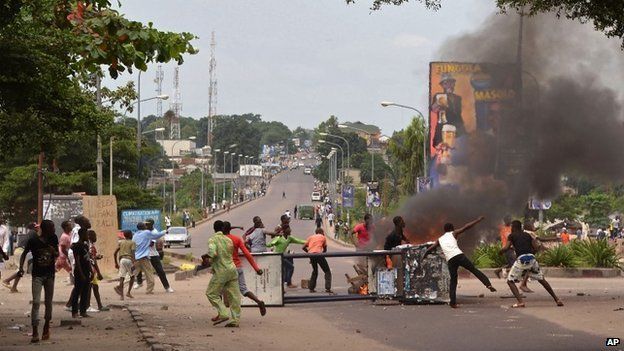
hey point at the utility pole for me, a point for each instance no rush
(99, 162)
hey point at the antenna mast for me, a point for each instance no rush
(212, 91)
(159, 81)
(176, 106)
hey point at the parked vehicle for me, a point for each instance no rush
(316, 196)
(177, 236)
(305, 211)
(307, 170)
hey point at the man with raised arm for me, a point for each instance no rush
(456, 258)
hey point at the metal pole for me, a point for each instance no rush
(138, 136)
(224, 154)
(201, 198)
(173, 180)
(231, 180)
(372, 165)
(99, 161)
(40, 187)
(110, 168)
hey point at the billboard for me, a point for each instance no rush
(130, 218)
(471, 105)
(250, 171)
(348, 196)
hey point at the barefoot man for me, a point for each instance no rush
(456, 258)
(526, 264)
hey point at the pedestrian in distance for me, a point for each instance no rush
(167, 222)
(224, 278)
(82, 275)
(124, 262)
(456, 258)
(62, 261)
(525, 265)
(44, 249)
(315, 244)
(242, 284)
(295, 211)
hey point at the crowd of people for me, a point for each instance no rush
(43, 254)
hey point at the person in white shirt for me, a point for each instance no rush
(456, 258)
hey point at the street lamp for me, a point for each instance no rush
(346, 142)
(214, 181)
(425, 137)
(175, 208)
(341, 155)
(161, 129)
(225, 153)
(344, 126)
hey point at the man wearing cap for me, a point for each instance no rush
(448, 107)
(143, 238)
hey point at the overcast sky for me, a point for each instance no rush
(300, 61)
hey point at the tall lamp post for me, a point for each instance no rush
(156, 130)
(426, 136)
(341, 156)
(214, 179)
(344, 126)
(173, 180)
(346, 142)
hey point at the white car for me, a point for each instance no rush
(301, 164)
(307, 170)
(177, 236)
(316, 196)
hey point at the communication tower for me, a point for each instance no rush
(212, 91)
(176, 106)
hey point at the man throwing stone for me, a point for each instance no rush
(526, 265)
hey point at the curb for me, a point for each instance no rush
(220, 212)
(558, 272)
(146, 333)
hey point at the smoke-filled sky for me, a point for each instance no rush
(573, 122)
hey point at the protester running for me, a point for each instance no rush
(525, 247)
(242, 284)
(456, 258)
(224, 278)
(143, 239)
(280, 245)
(82, 275)
(362, 232)
(256, 240)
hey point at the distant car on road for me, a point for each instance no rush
(301, 164)
(177, 236)
(303, 157)
(307, 170)
(316, 196)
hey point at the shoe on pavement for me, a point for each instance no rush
(169, 290)
(231, 325)
(221, 320)
(292, 286)
(68, 308)
(92, 310)
(6, 285)
(262, 307)
(104, 309)
(137, 285)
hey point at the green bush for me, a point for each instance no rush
(559, 256)
(595, 253)
(488, 255)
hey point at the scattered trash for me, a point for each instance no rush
(619, 309)
(109, 328)
(165, 308)
(481, 296)
(358, 331)
(16, 327)
(580, 294)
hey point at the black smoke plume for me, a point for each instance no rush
(571, 109)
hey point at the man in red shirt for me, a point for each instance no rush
(239, 244)
(362, 231)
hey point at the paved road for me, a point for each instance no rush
(482, 324)
(298, 188)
